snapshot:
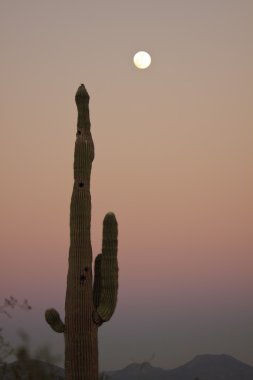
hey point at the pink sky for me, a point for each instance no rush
(173, 160)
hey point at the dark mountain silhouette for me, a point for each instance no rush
(136, 371)
(202, 367)
(212, 367)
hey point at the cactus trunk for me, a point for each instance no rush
(87, 305)
(81, 347)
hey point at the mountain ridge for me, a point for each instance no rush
(201, 367)
(212, 367)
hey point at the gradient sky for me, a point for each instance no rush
(173, 160)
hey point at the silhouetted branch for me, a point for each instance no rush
(11, 303)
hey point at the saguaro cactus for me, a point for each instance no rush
(87, 304)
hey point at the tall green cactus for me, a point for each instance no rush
(87, 304)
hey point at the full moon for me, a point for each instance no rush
(142, 60)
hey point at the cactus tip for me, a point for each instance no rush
(110, 216)
(81, 94)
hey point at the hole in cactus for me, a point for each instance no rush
(86, 269)
(81, 184)
(78, 132)
(82, 278)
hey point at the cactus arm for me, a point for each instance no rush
(54, 320)
(105, 287)
(97, 282)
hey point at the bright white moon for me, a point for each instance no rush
(142, 60)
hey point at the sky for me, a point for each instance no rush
(173, 160)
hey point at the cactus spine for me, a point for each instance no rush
(88, 304)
